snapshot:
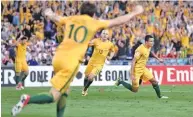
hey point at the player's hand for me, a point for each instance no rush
(47, 12)
(138, 9)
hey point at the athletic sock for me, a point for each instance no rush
(41, 99)
(85, 81)
(89, 82)
(157, 90)
(17, 79)
(61, 104)
(126, 85)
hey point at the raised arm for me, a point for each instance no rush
(52, 16)
(16, 42)
(125, 18)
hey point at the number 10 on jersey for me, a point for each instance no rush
(74, 31)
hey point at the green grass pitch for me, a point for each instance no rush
(108, 102)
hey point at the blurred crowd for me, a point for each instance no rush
(170, 22)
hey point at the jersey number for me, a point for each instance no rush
(76, 31)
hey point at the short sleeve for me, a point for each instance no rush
(138, 54)
(116, 48)
(112, 49)
(62, 21)
(102, 24)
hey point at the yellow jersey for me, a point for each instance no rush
(185, 41)
(150, 29)
(101, 50)
(79, 30)
(141, 56)
(21, 52)
(190, 50)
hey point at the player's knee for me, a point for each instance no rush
(26, 72)
(153, 82)
(67, 91)
(17, 73)
(55, 93)
(90, 77)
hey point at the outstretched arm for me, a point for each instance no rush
(51, 15)
(155, 56)
(125, 18)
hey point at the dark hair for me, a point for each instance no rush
(88, 9)
(147, 37)
(24, 38)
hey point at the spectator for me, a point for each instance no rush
(32, 62)
(172, 53)
(15, 21)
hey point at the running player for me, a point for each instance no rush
(79, 30)
(102, 47)
(139, 70)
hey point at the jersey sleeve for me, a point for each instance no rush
(102, 24)
(116, 49)
(138, 53)
(62, 21)
(112, 49)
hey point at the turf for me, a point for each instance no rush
(108, 102)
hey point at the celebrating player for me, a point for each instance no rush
(79, 30)
(102, 47)
(138, 69)
(21, 66)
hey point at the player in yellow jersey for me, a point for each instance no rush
(102, 47)
(21, 66)
(139, 70)
(79, 30)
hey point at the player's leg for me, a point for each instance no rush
(89, 82)
(95, 71)
(132, 87)
(60, 83)
(88, 70)
(25, 72)
(61, 104)
(156, 87)
(36, 99)
(18, 80)
(135, 83)
(148, 76)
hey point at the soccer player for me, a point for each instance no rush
(138, 43)
(79, 30)
(102, 47)
(21, 66)
(139, 70)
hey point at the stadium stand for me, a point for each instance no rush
(170, 22)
